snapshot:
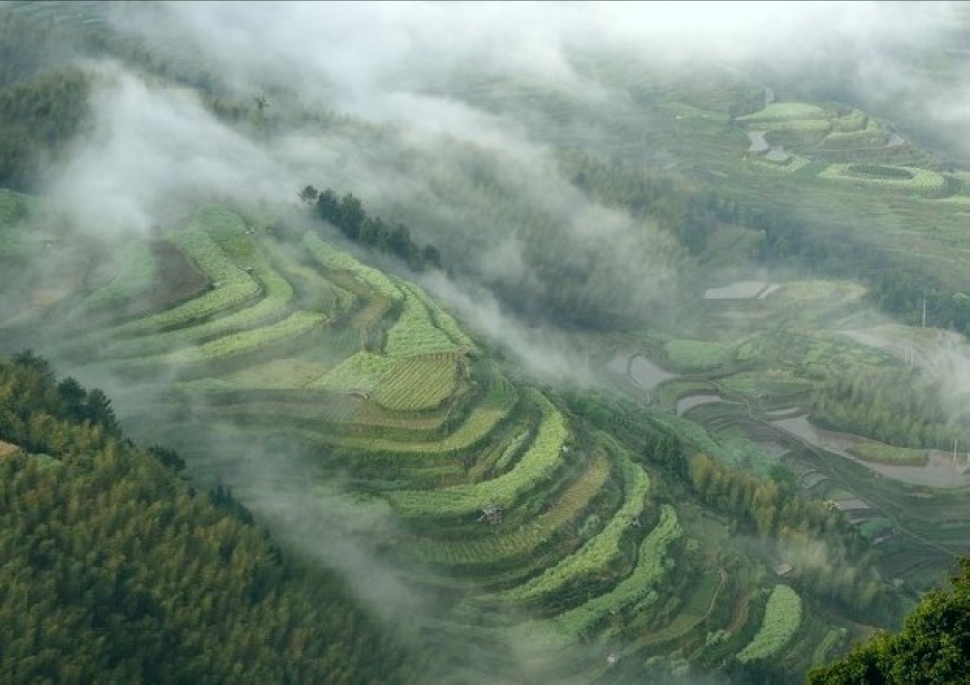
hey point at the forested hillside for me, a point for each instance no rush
(43, 99)
(114, 569)
(933, 647)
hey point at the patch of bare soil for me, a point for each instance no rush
(178, 281)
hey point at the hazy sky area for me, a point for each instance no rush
(366, 57)
(380, 61)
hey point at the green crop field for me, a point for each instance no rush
(696, 355)
(507, 444)
(597, 555)
(783, 614)
(871, 136)
(227, 346)
(856, 120)
(415, 332)
(512, 451)
(887, 454)
(294, 325)
(790, 165)
(418, 383)
(228, 229)
(363, 371)
(785, 111)
(275, 305)
(544, 455)
(279, 373)
(833, 638)
(697, 607)
(922, 181)
(810, 128)
(639, 587)
(442, 319)
(496, 548)
(232, 286)
(480, 422)
(338, 260)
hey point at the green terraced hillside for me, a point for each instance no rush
(549, 547)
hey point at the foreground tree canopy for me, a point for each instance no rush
(933, 646)
(114, 570)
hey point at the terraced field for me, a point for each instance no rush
(526, 517)
(559, 554)
(541, 549)
(540, 531)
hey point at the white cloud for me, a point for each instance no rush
(152, 149)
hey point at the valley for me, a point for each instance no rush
(297, 365)
(674, 391)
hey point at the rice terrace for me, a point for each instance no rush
(755, 455)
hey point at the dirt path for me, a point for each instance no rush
(740, 617)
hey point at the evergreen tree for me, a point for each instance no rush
(113, 570)
(933, 646)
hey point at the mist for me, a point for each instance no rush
(413, 152)
(385, 64)
(362, 58)
(153, 152)
(324, 523)
(548, 354)
(370, 98)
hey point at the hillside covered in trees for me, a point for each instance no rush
(113, 569)
(933, 647)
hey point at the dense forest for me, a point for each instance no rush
(37, 119)
(901, 407)
(44, 94)
(113, 569)
(348, 214)
(933, 646)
